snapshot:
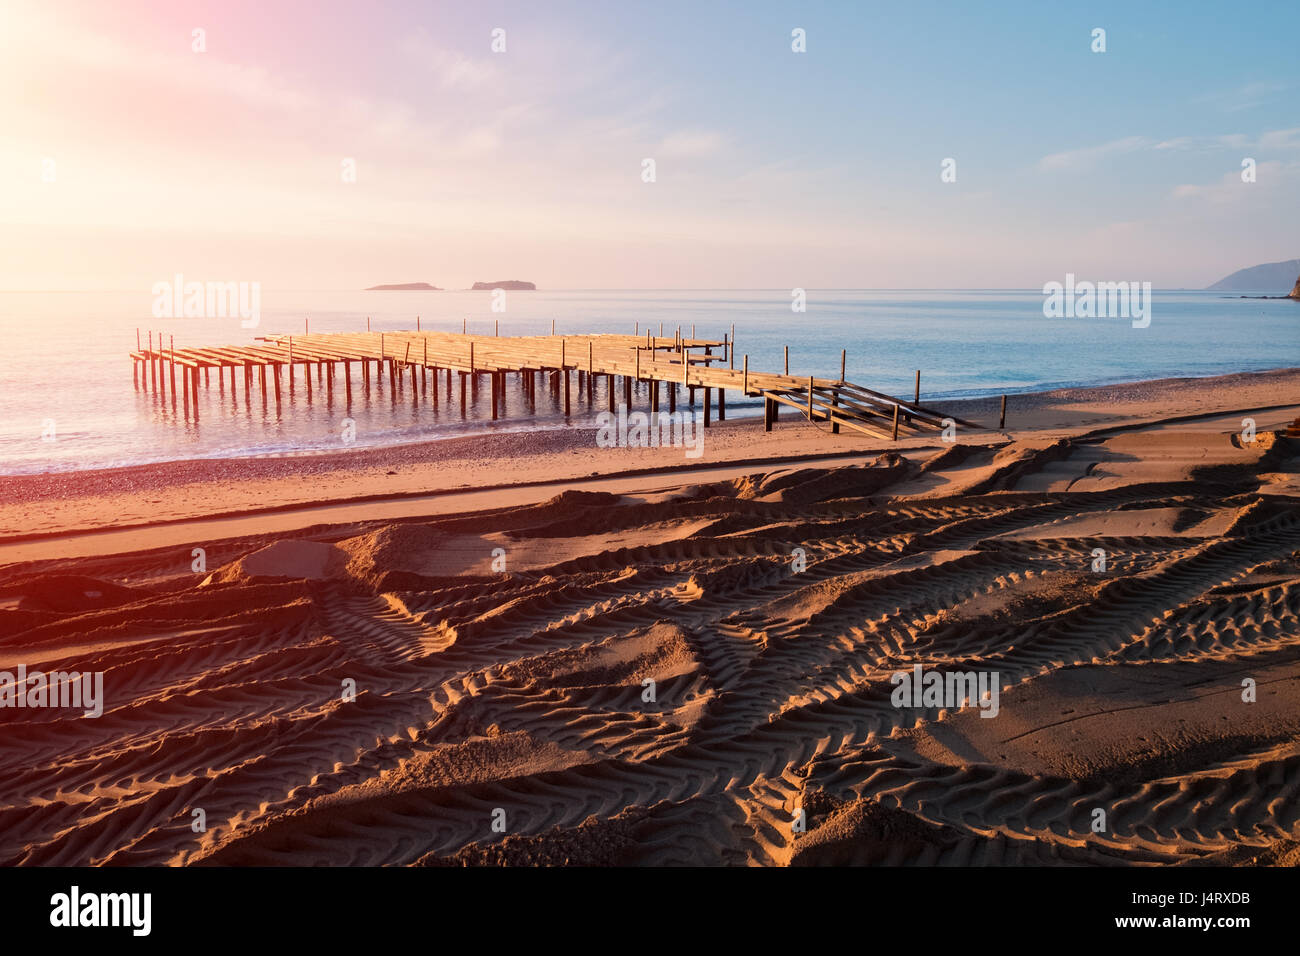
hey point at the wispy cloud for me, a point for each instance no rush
(1088, 156)
(1281, 139)
(690, 144)
(1244, 97)
(1230, 188)
(451, 69)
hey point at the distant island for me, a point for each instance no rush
(513, 285)
(1295, 293)
(405, 287)
(1270, 275)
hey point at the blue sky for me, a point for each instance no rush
(773, 168)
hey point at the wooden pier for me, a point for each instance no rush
(426, 364)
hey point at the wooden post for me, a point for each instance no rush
(365, 374)
(565, 372)
(722, 404)
(609, 387)
(707, 392)
(276, 373)
(672, 396)
(172, 369)
(290, 366)
(306, 377)
(686, 366)
(627, 392)
(306, 326)
(844, 355)
(471, 357)
(810, 398)
(835, 403)
(494, 378)
(185, 385)
(248, 381)
(768, 416)
(367, 323)
(347, 381)
(916, 400)
(638, 363)
(1002, 421)
(261, 378)
(895, 421)
(462, 395)
(745, 377)
(552, 326)
(417, 323)
(787, 360)
(153, 378)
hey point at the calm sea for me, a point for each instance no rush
(65, 369)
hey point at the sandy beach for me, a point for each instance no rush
(525, 649)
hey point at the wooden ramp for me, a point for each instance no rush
(701, 367)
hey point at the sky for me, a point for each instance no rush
(127, 155)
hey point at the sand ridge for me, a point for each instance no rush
(670, 678)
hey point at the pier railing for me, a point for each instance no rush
(704, 368)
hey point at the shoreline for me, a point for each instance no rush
(741, 410)
(65, 503)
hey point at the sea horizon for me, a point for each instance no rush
(966, 343)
